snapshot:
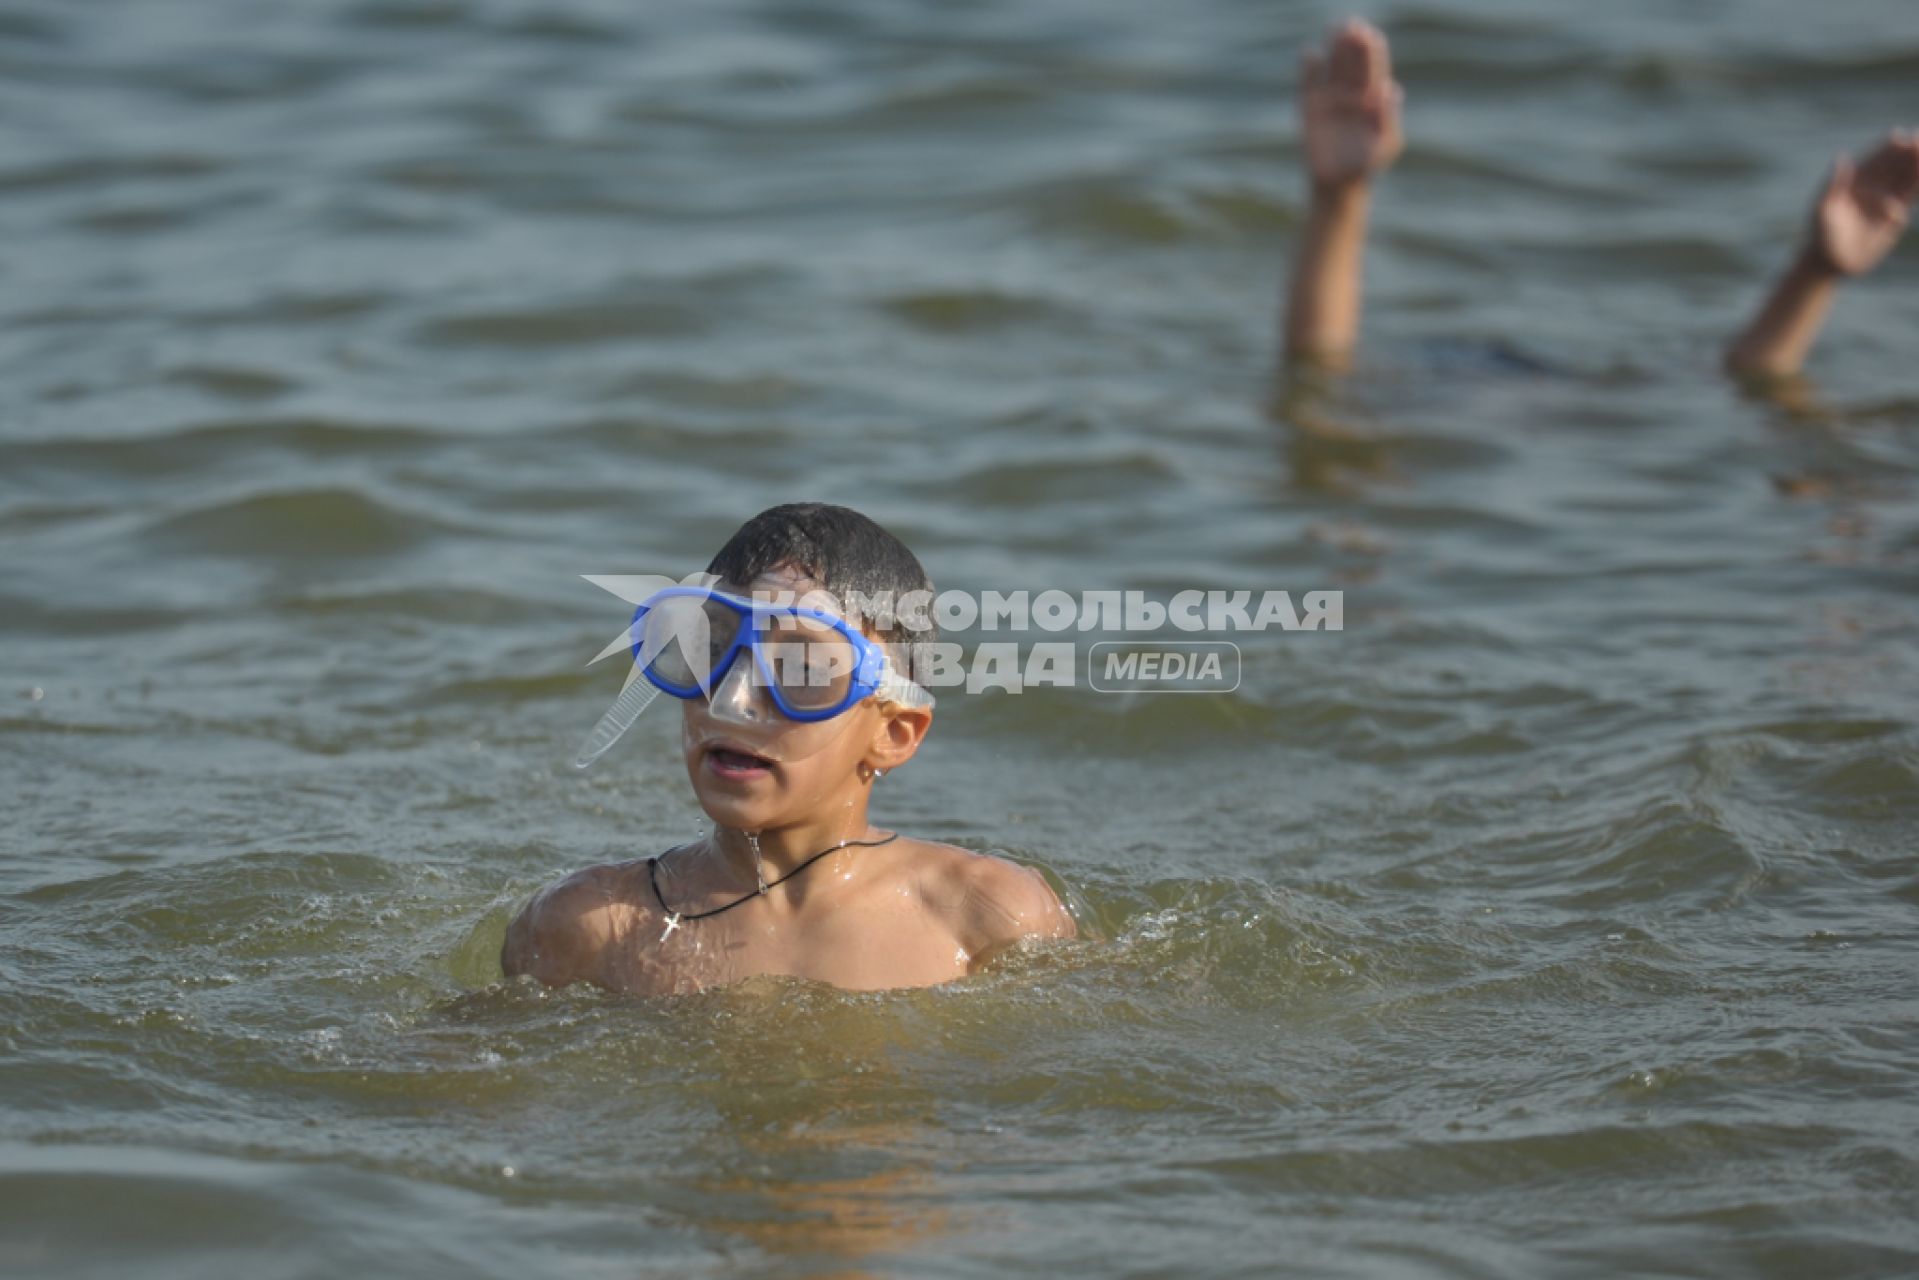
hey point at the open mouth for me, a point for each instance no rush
(731, 762)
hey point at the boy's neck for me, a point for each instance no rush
(782, 849)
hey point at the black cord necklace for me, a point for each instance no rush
(674, 918)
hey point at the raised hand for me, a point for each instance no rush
(1863, 210)
(1855, 222)
(1349, 106)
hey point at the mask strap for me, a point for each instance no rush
(894, 687)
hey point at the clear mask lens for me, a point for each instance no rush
(813, 664)
(682, 639)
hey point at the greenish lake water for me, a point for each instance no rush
(1554, 918)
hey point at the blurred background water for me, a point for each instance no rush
(1554, 918)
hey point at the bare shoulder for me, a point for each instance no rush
(563, 933)
(991, 901)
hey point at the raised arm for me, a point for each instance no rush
(1857, 219)
(1349, 116)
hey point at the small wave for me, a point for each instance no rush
(580, 323)
(423, 602)
(1106, 210)
(33, 615)
(1436, 159)
(1860, 771)
(401, 17)
(1042, 480)
(762, 391)
(1246, 933)
(96, 172)
(504, 690)
(409, 15)
(296, 524)
(140, 218)
(231, 382)
(1670, 856)
(295, 308)
(247, 75)
(949, 311)
(1141, 210)
(659, 438)
(38, 28)
(197, 447)
(1774, 72)
(1504, 72)
(1652, 256)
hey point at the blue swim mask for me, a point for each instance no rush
(801, 665)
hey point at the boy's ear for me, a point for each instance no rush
(900, 732)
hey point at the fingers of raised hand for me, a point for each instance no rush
(1347, 58)
(1839, 182)
(1893, 166)
(1358, 56)
(1902, 165)
(1312, 70)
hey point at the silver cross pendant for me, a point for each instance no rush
(672, 923)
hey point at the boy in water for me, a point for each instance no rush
(1349, 109)
(804, 709)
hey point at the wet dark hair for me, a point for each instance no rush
(840, 550)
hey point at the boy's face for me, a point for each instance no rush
(754, 770)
